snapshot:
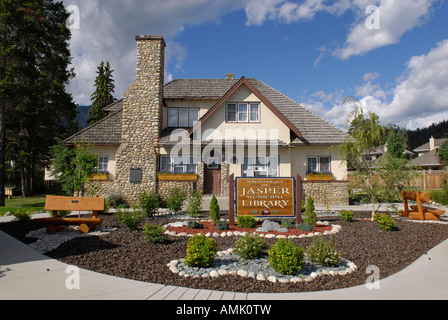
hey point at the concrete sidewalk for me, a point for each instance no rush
(26, 274)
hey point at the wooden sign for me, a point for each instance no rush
(265, 197)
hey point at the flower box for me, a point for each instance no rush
(100, 177)
(177, 177)
(319, 177)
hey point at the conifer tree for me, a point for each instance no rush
(34, 60)
(102, 97)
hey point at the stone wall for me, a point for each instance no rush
(326, 192)
(142, 120)
(166, 186)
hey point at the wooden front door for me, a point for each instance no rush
(212, 180)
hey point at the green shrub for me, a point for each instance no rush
(310, 215)
(154, 233)
(246, 221)
(323, 252)
(285, 257)
(251, 246)
(113, 200)
(385, 221)
(131, 219)
(149, 202)
(305, 226)
(191, 224)
(346, 215)
(288, 223)
(222, 225)
(439, 196)
(22, 214)
(214, 210)
(194, 203)
(201, 251)
(176, 199)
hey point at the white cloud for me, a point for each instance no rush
(107, 33)
(395, 18)
(419, 98)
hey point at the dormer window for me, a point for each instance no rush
(182, 117)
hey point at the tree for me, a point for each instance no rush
(33, 75)
(73, 167)
(365, 134)
(443, 153)
(102, 97)
(382, 179)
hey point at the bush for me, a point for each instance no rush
(194, 203)
(130, 219)
(288, 223)
(154, 233)
(304, 226)
(201, 251)
(246, 221)
(222, 225)
(310, 215)
(149, 202)
(113, 200)
(176, 199)
(439, 196)
(385, 222)
(191, 224)
(22, 214)
(323, 252)
(285, 257)
(251, 246)
(346, 215)
(214, 210)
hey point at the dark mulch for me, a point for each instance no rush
(126, 254)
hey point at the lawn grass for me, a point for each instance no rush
(35, 203)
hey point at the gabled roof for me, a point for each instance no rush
(425, 146)
(223, 99)
(308, 128)
(429, 159)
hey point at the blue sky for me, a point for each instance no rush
(314, 51)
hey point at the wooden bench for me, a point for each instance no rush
(57, 203)
(419, 212)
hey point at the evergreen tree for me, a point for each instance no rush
(33, 75)
(102, 97)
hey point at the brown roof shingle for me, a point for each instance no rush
(314, 129)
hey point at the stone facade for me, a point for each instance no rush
(326, 192)
(142, 120)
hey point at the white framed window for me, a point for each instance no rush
(231, 112)
(103, 164)
(182, 117)
(260, 167)
(254, 112)
(243, 112)
(185, 164)
(318, 164)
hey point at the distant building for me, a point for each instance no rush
(428, 157)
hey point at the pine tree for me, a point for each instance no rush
(310, 215)
(214, 210)
(33, 75)
(102, 97)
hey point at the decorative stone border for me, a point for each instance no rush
(178, 267)
(336, 229)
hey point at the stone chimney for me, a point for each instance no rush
(432, 144)
(136, 161)
(230, 76)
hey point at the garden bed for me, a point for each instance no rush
(126, 254)
(210, 228)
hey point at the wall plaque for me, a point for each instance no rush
(265, 197)
(135, 175)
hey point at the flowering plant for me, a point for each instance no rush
(313, 172)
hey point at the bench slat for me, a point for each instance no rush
(58, 203)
